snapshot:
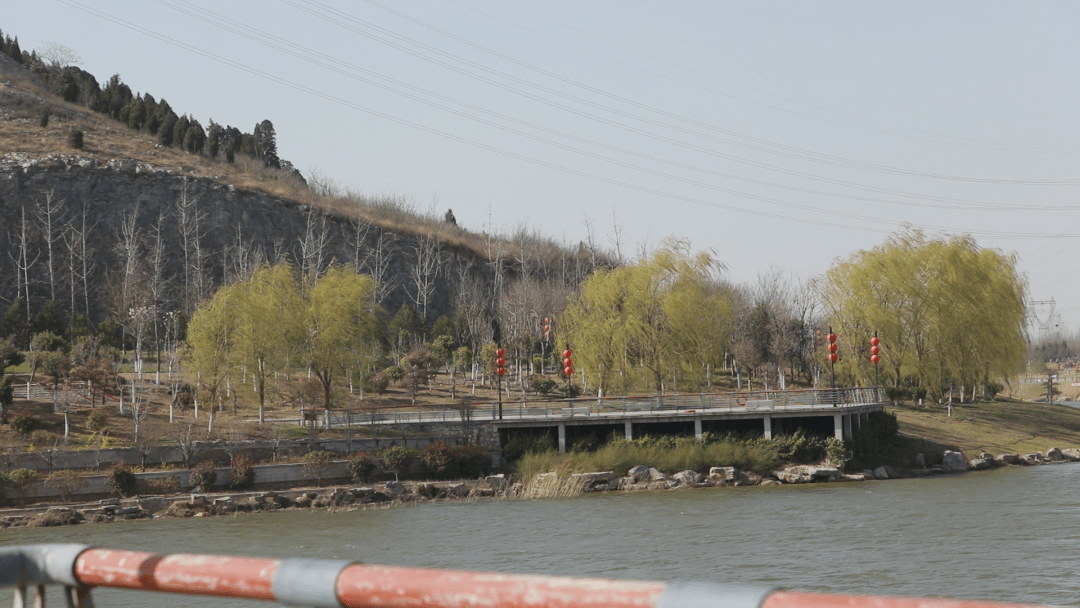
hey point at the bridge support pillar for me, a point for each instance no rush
(629, 427)
(768, 426)
(838, 426)
(562, 437)
(697, 428)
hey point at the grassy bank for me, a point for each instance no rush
(997, 427)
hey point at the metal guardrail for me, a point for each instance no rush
(757, 401)
(323, 583)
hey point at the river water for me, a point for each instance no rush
(1008, 535)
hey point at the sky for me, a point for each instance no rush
(778, 135)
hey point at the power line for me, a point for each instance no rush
(262, 37)
(971, 143)
(784, 149)
(347, 103)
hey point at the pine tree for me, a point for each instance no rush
(180, 130)
(165, 131)
(213, 139)
(266, 144)
(194, 138)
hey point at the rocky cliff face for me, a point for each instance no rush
(236, 230)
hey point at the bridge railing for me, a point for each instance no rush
(749, 401)
(319, 583)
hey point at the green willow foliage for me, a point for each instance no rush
(945, 309)
(664, 317)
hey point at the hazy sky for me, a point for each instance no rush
(778, 134)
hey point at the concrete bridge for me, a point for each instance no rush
(782, 412)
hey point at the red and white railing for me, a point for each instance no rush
(335, 584)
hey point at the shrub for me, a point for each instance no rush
(470, 462)
(122, 480)
(203, 476)
(163, 485)
(394, 373)
(396, 459)
(75, 139)
(437, 457)
(380, 382)
(96, 421)
(68, 482)
(317, 464)
(21, 479)
(41, 437)
(543, 385)
(362, 467)
(24, 425)
(241, 473)
(5, 481)
(43, 116)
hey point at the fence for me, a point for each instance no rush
(28, 569)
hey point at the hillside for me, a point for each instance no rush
(65, 212)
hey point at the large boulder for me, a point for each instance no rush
(920, 461)
(954, 460)
(497, 482)
(1054, 455)
(639, 473)
(881, 472)
(1033, 459)
(656, 475)
(1014, 459)
(804, 473)
(792, 476)
(688, 477)
(621, 483)
(725, 476)
(1071, 454)
(979, 464)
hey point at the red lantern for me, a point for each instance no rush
(831, 337)
(567, 362)
(875, 358)
(569, 371)
(501, 371)
(547, 320)
(547, 328)
(500, 362)
(833, 357)
(566, 354)
(874, 350)
(832, 347)
(874, 341)
(500, 353)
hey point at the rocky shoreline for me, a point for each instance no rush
(544, 486)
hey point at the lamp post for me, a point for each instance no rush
(568, 369)
(833, 357)
(500, 371)
(875, 355)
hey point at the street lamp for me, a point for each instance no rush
(500, 371)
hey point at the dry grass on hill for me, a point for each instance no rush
(21, 102)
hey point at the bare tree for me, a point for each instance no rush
(187, 444)
(314, 245)
(57, 55)
(188, 219)
(426, 255)
(49, 218)
(22, 260)
(80, 259)
(379, 263)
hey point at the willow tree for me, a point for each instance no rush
(211, 336)
(943, 308)
(268, 325)
(665, 315)
(339, 321)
